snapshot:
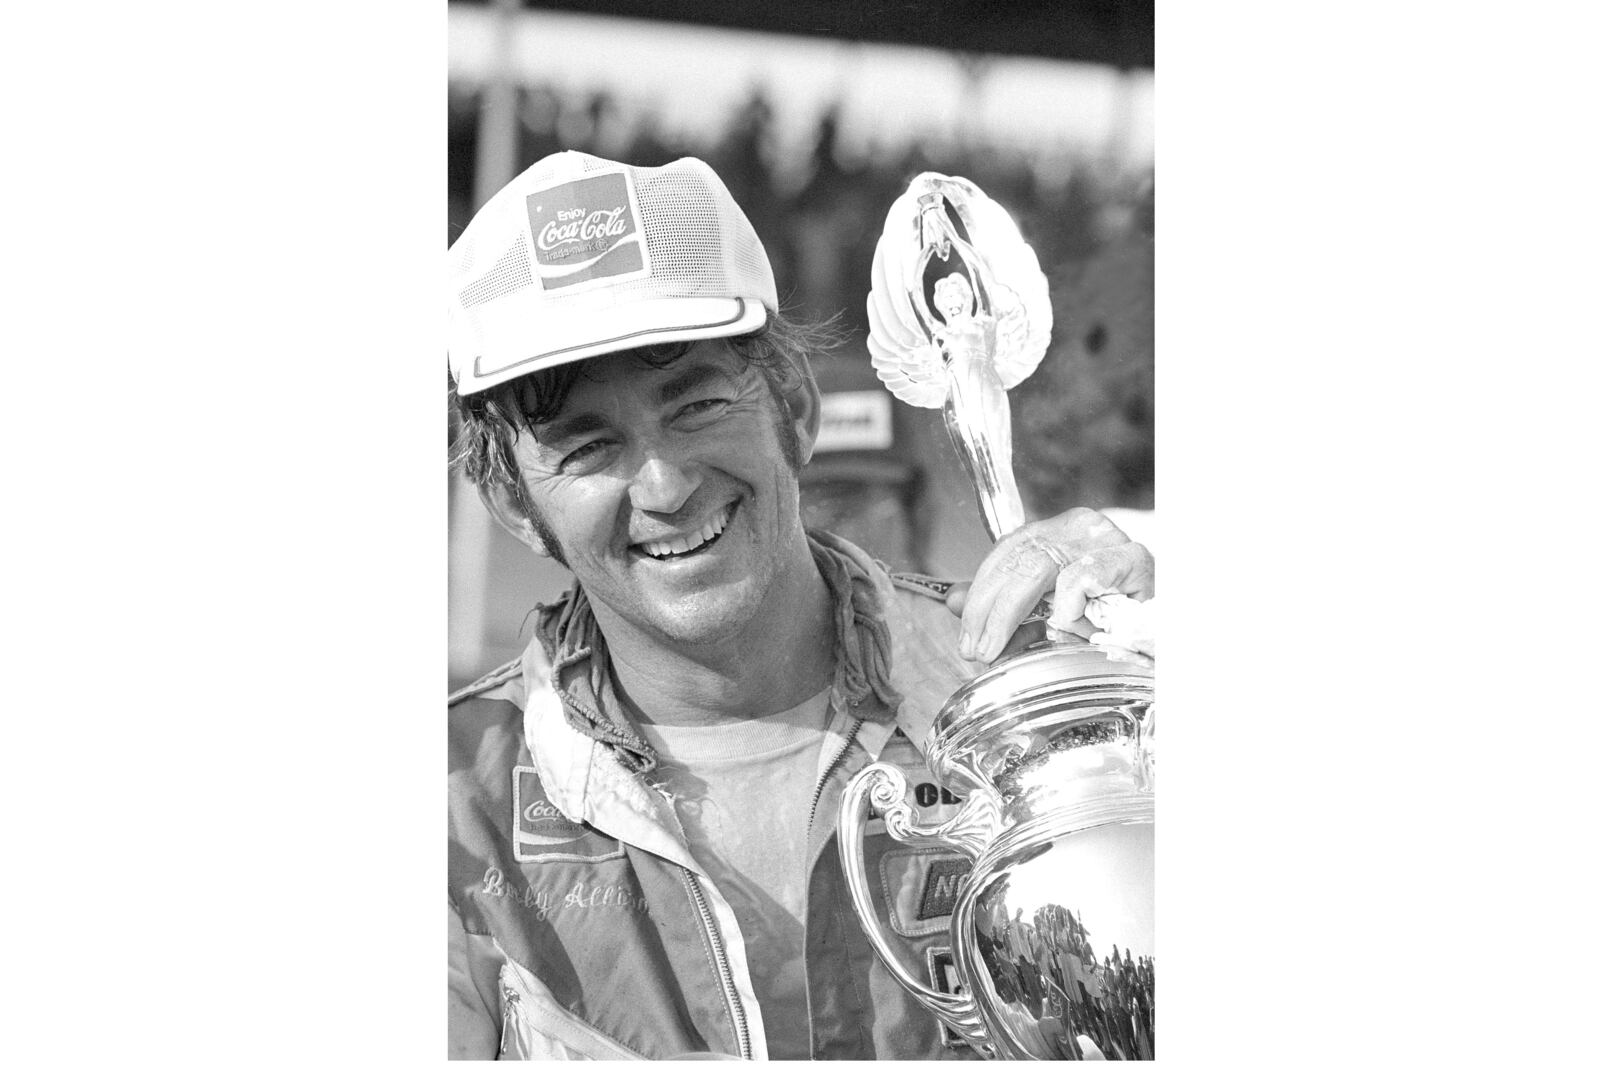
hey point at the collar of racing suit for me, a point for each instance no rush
(579, 670)
(883, 655)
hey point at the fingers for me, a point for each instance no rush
(1023, 564)
(1028, 633)
(1010, 581)
(1027, 563)
(1126, 568)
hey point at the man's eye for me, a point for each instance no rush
(584, 454)
(702, 409)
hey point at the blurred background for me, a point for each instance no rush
(817, 113)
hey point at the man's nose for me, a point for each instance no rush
(664, 482)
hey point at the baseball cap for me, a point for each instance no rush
(579, 256)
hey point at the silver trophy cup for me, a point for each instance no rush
(1052, 936)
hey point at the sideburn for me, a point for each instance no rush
(783, 420)
(541, 529)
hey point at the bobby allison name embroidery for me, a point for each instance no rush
(545, 902)
(542, 833)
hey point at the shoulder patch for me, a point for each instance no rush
(540, 832)
(921, 583)
(921, 886)
(499, 676)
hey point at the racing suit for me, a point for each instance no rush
(581, 927)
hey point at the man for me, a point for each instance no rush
(641, 858)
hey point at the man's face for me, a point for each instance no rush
(669, 490)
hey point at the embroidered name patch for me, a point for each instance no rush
(545, 902)
(586, 230)
(541, 833)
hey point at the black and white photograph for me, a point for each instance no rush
(764, 469)
(802, 509)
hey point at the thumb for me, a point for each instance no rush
(956, 597)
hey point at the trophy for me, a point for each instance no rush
(1052, 748)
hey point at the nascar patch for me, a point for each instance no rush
(540, 832)
(921, 886)
(941, 885)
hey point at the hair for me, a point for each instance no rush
(489, 423)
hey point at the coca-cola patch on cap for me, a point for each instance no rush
(586, 230)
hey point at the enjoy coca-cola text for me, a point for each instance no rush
(575, 224)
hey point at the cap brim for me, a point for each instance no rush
(568, 338)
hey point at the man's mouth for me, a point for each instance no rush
(690, 544)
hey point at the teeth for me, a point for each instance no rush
(677, 545)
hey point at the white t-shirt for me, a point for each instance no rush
(743, 790)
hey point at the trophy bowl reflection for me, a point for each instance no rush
(1052, 748)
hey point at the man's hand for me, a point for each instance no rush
(1080, 553)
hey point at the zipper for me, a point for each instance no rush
(833, 765)
(523, 1010)
(510, 1024)
(741, 1025)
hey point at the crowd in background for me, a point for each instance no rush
(1047, 966)
(1083, 423)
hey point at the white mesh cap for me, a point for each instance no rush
(579, 256)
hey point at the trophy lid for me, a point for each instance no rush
(1048, 667)
(1053, 681)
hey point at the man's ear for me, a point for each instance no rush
(805, 408)
(503, 505)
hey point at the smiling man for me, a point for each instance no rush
(641, 806)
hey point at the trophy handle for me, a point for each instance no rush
(969, 831)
